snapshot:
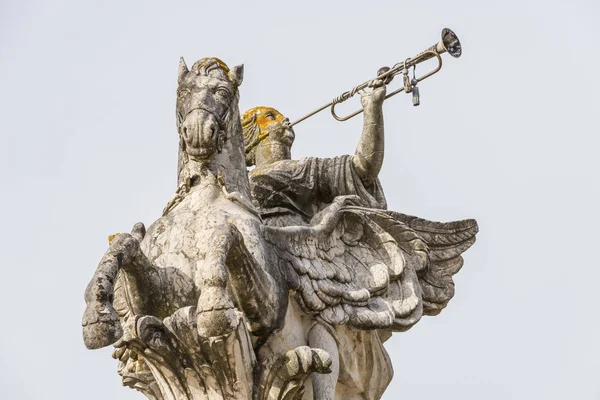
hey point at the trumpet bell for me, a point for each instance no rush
(449, 43)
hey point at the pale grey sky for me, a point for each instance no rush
(507, 134)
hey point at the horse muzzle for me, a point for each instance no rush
(200, 132)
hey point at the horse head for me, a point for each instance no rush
(208, 113)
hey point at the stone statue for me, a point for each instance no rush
(247, 286)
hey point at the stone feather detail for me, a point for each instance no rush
(439, 245)
(371, 269)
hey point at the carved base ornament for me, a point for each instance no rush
(279, 283)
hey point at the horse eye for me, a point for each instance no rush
(183, 92)
(223, 92)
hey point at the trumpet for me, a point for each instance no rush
(449, 44)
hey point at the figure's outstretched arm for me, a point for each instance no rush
(368, 158)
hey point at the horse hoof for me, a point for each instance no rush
(213, 323)
(100, 329)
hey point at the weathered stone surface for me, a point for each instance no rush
(249, 284)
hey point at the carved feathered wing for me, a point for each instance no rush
(437, 245)
(369, 268)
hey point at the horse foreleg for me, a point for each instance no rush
(216, 314)
(229, 265)
(101, 325)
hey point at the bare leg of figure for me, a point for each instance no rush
(324, 385)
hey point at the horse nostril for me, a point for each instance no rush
(184, 131)
(213, 131)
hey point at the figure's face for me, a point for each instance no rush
(276, 126)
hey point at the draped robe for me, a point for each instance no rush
(292, 192)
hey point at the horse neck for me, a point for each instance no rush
(229, 164)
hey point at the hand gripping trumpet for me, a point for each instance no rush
(449, 44)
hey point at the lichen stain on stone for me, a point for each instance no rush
(206, 60)
(112, 237)
(264, 118)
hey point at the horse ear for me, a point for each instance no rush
(237, 73)
(183, 70)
